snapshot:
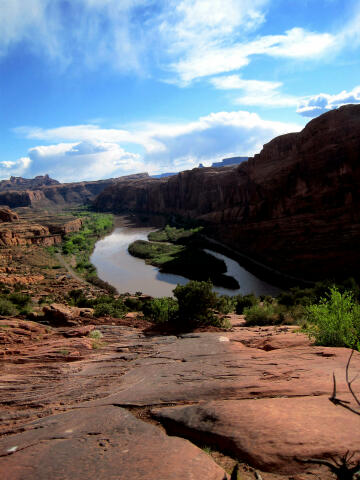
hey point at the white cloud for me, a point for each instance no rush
(89, 152)
(318, 104)
(255, 92)
(83, 160)
(227, 55)
(187, 39)
(17, 167)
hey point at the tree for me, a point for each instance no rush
(196, 303)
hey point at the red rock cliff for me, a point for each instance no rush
(295, 206)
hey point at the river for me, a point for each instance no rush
(126, 273)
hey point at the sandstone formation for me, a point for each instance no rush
(27, 234)
(294, 206)
(57, 314)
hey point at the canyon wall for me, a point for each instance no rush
(295, 206)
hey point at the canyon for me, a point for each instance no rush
(293, 207)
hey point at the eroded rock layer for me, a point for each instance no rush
(294, 206)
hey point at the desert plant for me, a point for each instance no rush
(335, 320)
(161, 310)
(95, 334)
(7, 307)
(225, 304)
(244, 301)
(196, 303)
(265, 314)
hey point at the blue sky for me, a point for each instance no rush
(93, 89)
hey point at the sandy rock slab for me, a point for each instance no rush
(269, 433)
(104, 443)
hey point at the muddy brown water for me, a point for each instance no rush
(126, 273)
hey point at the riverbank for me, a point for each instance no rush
(181, 252)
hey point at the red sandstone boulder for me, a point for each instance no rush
(7, 215)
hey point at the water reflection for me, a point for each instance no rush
(115, 265)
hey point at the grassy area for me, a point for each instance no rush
(81, 244)
(180, 251)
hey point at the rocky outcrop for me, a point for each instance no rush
(66, 227)
(7, 215)
(57, 314)
(294, 206)
(27, 234)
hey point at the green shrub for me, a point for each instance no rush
(244, 301)
(335, 320)
(196, 303)
(135, 304)
(161, 310)
(225, 304)
(96, 334)
(7, 307)
(77, 298)
(109, 306)
(259, 315)
(20, 299)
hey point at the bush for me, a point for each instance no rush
(259, 315)
(244, 301)
(7, 307)
(225, 304)
(77, 298)
(161, 310)
(335, 320)
(20, 299)
(196, 303)
(109, 306)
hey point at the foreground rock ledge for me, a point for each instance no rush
(102, 443)
(269, 433)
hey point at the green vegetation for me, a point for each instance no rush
(197, 302)
(15, 304)
(335, 320)
(95, 334)
(181, 251)
(81, 244)
(161, 310)
(103, 305)
(245, 301)
(263, 314)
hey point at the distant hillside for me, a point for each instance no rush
(19, 183)
(43, 191)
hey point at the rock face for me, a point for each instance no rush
(27, 234)
(294, 206)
